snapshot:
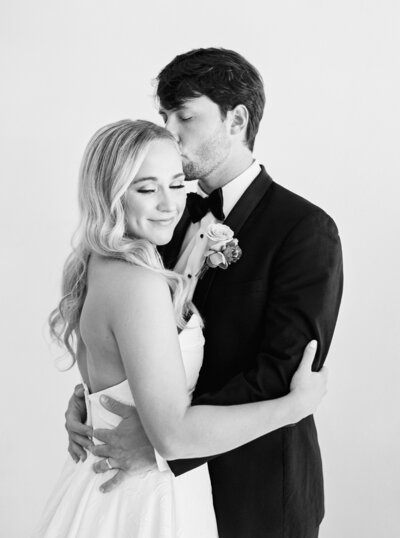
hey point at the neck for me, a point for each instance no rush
(226, 171)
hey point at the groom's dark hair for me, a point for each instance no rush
(222, 75)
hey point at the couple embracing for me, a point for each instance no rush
(199, 323)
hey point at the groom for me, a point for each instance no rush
(261, 311)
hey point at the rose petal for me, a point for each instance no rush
(216, 259)
(219, 245)
(219, 232)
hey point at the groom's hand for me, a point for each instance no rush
(126, 447)
(79, 433)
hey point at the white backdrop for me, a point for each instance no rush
(330, 132)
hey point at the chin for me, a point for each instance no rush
(162, 239)
(191, 170)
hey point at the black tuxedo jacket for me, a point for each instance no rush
(259, 315)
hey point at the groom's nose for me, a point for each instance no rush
(172, 125)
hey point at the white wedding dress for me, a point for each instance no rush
(149, 505)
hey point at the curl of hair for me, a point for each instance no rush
(111, 161)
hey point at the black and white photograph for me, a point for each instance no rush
(200, 281)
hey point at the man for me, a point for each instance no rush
(260, 312)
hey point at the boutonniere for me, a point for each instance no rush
(223, 248)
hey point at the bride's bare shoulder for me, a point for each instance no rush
(119, 277)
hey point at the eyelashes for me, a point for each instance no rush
(147, 191)
(165, 119)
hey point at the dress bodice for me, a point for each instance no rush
(191, 341)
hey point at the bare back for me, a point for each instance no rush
(99, 359)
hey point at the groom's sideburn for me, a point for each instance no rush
(259, 315)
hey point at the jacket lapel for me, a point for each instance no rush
(248, 201)
(235, 220)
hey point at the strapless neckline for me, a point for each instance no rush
(120, 388)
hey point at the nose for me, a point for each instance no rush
(167, 201)
(172, 126)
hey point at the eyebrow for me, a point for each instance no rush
(153, 178)
(185, 104)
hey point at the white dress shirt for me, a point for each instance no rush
(195, 243)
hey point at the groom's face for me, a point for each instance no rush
(202, 134)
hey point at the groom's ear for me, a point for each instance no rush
(239, 120)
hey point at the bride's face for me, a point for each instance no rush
(156, 198)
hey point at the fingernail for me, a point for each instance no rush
(103, 399)
(313, 344)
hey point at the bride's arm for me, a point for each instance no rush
(142, 320)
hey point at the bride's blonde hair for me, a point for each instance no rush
(110, 162)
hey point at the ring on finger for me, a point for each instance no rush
(109, 464)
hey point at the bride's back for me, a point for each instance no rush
(99, 359)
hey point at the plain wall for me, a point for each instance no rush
(330, 132)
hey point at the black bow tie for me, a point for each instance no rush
(199, 206)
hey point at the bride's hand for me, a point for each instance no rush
(310, 387)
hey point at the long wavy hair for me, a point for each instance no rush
(110, 162)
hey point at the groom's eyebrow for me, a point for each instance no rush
(184, 104)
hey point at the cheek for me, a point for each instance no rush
(216, 145)
(192, 137)
(181, 202)
(134, 212)
(204, 140)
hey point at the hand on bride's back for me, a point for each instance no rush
(126, 447)
(79, 433)
(310, 387)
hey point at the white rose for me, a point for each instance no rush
(219, 235)
(217, 259)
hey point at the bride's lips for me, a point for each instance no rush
(163, 222)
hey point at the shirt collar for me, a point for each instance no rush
(233, 190)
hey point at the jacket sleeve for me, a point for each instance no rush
(303, 304)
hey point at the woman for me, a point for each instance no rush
(129, 325)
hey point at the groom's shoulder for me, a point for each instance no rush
(290, 201)
(292, 207)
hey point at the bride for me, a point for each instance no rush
(136, 337)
